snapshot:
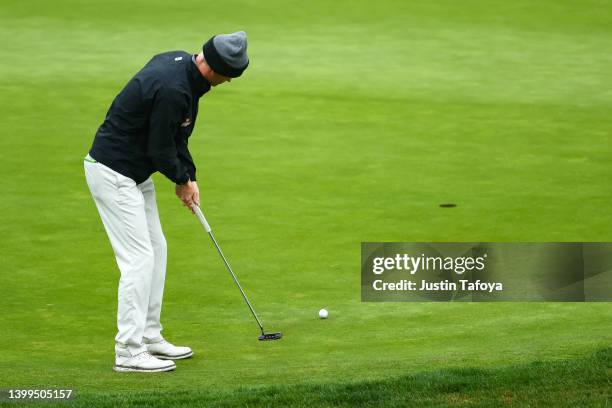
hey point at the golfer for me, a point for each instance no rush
(146, 130)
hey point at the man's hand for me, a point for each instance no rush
(188, 193)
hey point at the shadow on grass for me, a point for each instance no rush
(581, 382)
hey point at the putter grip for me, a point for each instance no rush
(201, 217)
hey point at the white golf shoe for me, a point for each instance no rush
(142, 362)
(163, 350)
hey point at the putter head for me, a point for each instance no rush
(270, 336)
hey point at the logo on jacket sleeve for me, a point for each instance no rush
(186, 123)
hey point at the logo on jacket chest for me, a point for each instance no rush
(186, 122)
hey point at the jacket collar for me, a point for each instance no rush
(199, 84)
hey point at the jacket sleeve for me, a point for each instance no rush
(166, 116)
(185, 157)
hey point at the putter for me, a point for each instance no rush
(264, 336)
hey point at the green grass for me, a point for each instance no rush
(352, 123)
(562, 383)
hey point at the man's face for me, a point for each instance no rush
(217, 79)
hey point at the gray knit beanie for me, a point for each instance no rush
(226, 54)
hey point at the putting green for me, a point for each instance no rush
(353, 123)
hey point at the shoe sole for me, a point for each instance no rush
(126, 369)
(179, 357)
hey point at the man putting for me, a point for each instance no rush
(146, 130)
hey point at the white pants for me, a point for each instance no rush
(130, 217)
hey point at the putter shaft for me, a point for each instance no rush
(229, 268)
(206, 226)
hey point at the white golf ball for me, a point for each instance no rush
(323, 314)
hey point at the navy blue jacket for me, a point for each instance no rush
(148, 125)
